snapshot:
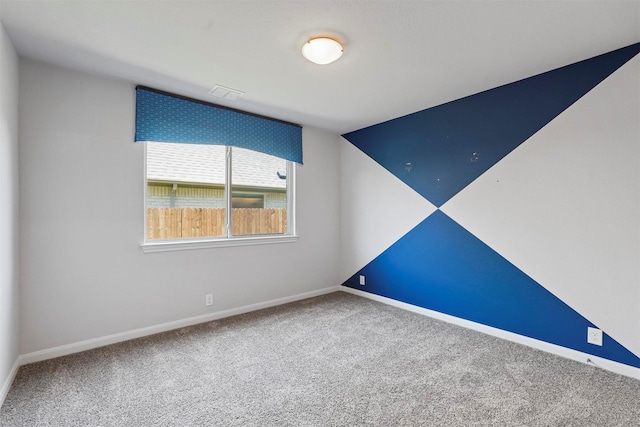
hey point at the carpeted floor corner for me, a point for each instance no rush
(334, 360)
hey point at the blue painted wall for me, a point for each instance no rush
(440, 265)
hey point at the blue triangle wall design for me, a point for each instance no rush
(439, 151)
(442, 267)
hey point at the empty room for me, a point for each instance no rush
(319, 213)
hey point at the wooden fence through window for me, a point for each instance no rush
(177, 223)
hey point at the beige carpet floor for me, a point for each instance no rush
(335, 360)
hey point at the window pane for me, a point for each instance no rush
(258, 193)
(185, 190)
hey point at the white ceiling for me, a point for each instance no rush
(400, 56)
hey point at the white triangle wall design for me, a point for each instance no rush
(564, 206)
(392, 209)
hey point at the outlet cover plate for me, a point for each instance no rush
(594, 336)
(361, 280)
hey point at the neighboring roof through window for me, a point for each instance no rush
(201, 163)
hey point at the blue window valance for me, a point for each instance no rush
(164, 117)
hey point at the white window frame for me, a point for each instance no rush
(167, 245)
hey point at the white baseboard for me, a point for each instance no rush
(609, 365)
(7, 384)
(63, 350)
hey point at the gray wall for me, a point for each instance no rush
(8, 210)
(84, 275)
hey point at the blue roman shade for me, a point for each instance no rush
(164, 117)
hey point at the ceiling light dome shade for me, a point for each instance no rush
(322, 50)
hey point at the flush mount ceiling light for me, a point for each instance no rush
(322, 50)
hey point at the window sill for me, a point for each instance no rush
(183, 245)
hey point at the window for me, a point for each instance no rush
(214, 176)
(215, 195)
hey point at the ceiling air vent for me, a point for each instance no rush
(226, 93)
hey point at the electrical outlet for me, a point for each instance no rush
(361, 280)
(594, 336)
(208, 299)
